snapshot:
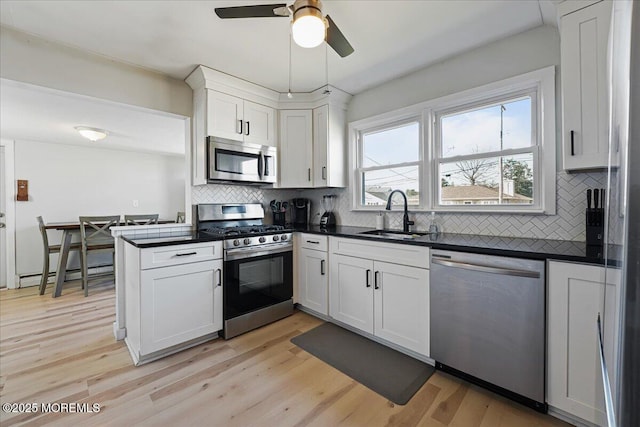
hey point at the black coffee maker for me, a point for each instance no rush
(301, 208)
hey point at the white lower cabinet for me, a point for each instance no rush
(401, 301)
(313, 281)
(388, 300)
(576, 294)
(312, 272)
(179, 303)
(351, 291)
(173, 302)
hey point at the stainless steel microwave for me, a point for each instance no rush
(241, 162)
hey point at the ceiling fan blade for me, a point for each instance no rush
(256, 11)
(337, 40)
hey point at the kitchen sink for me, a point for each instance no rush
(389, 234)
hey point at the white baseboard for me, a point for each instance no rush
(119, 333)
(34, 280)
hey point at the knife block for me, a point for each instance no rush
(595, 226)
(279, 218)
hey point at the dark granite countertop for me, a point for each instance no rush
(170, 239)
(560, 250)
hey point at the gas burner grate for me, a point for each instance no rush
(242, 230)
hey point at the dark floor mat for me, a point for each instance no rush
(384, 370)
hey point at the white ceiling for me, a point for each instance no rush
(391, 39)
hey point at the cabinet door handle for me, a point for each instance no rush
(241, 126)
(375, 280)
(248, 131)
(314, 242)
(187, 254)
(219, 271)
(324, 172)
(368, 278)
(572, 145)
(322, 267)
(309, 173)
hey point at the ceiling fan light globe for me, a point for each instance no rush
(308, 30)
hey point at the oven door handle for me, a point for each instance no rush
(235, 254)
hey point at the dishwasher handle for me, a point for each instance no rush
(487, 268)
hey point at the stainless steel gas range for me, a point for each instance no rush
(258, 265)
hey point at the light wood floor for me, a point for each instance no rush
(63, 350)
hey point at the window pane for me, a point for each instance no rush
(378, 185)
(490, 128)
(391, 146)
(477, 182)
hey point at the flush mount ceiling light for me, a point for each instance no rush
(308, 26)
(92, 134)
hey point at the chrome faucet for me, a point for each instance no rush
(405, 219)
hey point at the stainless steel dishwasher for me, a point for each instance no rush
(488, 322)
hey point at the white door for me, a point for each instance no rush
(401, 301)
(3, 229)
(260, 124)
(351, 291)
(312, 280)
(225, 116)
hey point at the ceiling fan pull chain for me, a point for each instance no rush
(326, 68)
(289, 94)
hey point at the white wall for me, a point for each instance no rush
(30, 59)
(512, 56)
(68, 181)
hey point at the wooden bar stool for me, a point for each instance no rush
(48, 250)
(141, 219)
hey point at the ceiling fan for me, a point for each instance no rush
(309, 27)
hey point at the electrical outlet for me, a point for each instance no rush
(135, 204)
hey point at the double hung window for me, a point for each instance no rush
(487, 154)
(390, 159)
(489, 149)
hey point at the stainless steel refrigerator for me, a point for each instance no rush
(623, 219)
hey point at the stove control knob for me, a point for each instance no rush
(247, 241)
(262, 240)
(284, 237)
(276, 238)
(236, 242)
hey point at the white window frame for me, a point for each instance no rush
(378, 123)
(359, 170)
(541, 81)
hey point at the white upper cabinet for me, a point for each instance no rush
(234, 118)
(224, 116)
(329, 148)
(296, 149)
(312, 148)
(583, 43)
(229, 108)
(260, 124)
(311, 140)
